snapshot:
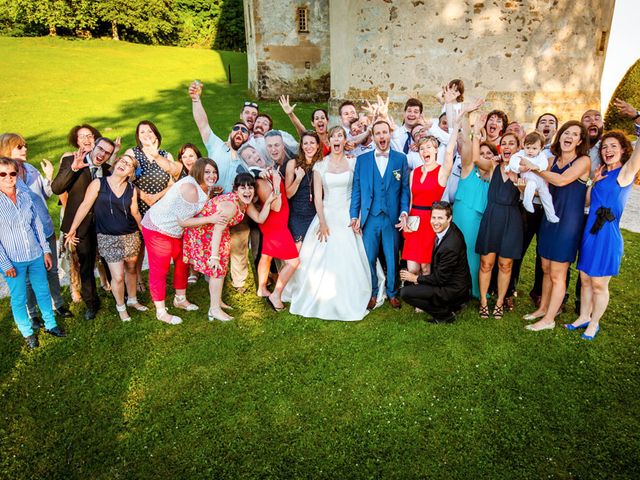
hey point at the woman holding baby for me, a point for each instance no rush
(558, 244)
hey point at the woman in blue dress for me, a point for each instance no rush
(471, 199)
(602, 246)
(558, 243)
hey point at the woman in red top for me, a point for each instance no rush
(427, 186)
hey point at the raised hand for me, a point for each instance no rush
(47, 168)
(78, 160)
(118, 144)
(480, 122)
(371, 110)
(450, 93)
(473, 106)
(195, 90)
(286, 106)
(625, 108)
(598, 174)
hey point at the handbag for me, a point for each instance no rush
(413, 223)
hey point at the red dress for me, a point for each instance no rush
(418, 246)
(197, 240)
(277, 241)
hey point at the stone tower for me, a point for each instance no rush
(524, 56)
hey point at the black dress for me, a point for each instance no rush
(301, 208)
(501, 228)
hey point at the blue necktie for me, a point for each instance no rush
(405, 149)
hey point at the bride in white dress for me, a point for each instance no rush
(333, 281)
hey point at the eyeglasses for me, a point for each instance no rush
(21, 146)
(240, 128)
(108, 152)
(86, 136)
(251, 104)
(11, 174)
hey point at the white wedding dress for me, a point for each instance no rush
(333, 281)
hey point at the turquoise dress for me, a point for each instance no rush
(470, 203)
(602, 248)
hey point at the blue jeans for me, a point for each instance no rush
(37, 274)
(54, 283)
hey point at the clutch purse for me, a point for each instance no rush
(413, 223)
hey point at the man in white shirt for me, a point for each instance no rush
(401, 138)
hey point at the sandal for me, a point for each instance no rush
(484, 311)
(133, 302)
(172, 320)
(192, 279)
(498, 311)
(121, 309)
(180, 301)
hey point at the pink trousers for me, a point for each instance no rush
(161, 249)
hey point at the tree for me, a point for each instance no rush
(150, 20)
(53, 14)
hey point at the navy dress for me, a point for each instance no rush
(302, 210)
(501, 229)
(602, 245)
(559, 242)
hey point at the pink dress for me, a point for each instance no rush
(197, 240)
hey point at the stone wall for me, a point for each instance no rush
(524, 56)
(281, 60)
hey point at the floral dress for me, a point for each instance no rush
(197, 240)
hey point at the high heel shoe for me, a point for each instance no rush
(590, 337)
(484, 311)
(121, 309)
(498, 311)
(571, 327)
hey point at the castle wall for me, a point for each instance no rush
(524, 56)
(281, 60)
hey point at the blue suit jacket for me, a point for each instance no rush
(396, 181)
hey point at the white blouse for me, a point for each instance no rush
(164, 215)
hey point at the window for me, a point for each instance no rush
(302, 14)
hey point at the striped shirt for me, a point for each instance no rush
(22, 238)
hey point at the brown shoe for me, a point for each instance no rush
(372, 303)
(395, 303)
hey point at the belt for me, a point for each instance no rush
(420, 207)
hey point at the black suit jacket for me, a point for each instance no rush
(75, 185)
(449, 267)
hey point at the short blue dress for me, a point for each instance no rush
(559, 242)
(302, 210)
(602, 245)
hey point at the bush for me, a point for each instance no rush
(628, 90)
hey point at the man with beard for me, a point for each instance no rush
(248, 114)
(229, 165)
(592, 121)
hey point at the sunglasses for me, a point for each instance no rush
(11, 174)
(21, 146)
(240, 128)
(251, 104)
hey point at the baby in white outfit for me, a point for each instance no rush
(532, 151)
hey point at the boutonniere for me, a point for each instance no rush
(397, 175)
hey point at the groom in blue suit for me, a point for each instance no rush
(379, 200)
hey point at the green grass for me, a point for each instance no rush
(279, 396)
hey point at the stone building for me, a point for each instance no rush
(524, 56)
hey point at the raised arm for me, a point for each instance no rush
(68, 172)
(199, 115)
(630, 169)
(483, 164)
(447, 165)
(288, 109)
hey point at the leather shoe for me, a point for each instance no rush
(395, 302)
(56, 332)
(90, 314)
(372, 303)
(63, 312)
(32, 342)
(450, 319)
(36, 323)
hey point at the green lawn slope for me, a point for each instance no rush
(276, 395)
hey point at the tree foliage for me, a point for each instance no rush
(204, 23)
(628, 90)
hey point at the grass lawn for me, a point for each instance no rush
(275, 395)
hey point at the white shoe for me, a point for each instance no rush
(172, 320)
(120, 309)
(180, 300)
(133, 302)
(547, 326)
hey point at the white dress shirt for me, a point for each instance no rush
(381, 162)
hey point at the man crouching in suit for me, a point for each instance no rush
(447, 287)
